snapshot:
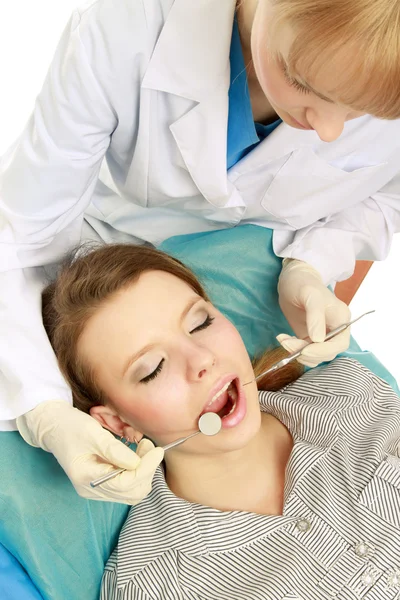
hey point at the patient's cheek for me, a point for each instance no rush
(233, 339)
(149, 419)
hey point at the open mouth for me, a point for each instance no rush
(229, 403)
(224, 402)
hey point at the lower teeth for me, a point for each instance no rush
(231, 411)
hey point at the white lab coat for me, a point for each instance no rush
(144, 83)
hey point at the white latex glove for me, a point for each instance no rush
(86, 451)
(311, 310)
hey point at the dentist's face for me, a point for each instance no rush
(299, 104)
(163, 356)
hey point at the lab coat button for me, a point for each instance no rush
(303, 525)
(363, 550)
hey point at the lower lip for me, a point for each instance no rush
(239, 412)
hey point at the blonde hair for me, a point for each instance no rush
(363, 36)
(92, 277)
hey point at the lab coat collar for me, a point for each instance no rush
(191, 57)
(281, 142)
(191, 60)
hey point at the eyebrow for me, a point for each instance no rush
(303, 83)
(134, 357)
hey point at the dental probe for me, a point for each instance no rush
(209, 424)
(288, 359)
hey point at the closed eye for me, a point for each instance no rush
(208, 321)
(304, 89)
(294, 83)
(154, 374)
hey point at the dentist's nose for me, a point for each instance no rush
(328, 126)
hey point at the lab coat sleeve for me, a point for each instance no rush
(47, 178)
(360, 232)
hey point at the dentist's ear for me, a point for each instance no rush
(110, 419)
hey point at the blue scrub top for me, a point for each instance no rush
(243, 133)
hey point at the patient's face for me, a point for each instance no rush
(160, 353)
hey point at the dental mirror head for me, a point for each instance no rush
(210, 423)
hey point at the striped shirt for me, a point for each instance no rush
(338, 537)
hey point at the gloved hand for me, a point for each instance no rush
(86, 451)
(311, 310)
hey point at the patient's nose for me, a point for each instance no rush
(200, 362)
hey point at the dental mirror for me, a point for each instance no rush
(209, 424)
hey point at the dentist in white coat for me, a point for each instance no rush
(165, 117)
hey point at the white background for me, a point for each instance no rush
(29, 32)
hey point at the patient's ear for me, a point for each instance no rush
(110, 419)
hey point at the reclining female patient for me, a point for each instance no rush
(297, 497)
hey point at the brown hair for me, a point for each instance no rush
(364, 35)
(91, 277)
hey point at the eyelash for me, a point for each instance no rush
(157, 370)
(296, 84)
(205, 324)
(154, 374)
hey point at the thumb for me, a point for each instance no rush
(144, 446)
(290, 343)
(118, 454)
(150, 462)
(315, 317)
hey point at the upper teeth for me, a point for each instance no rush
(221, 391)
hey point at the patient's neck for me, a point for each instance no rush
(250, 479)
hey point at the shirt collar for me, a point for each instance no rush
(243, 132)
(241, 129)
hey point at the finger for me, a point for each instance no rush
(328, 350)
(134, 494)
(82, 475)
(150, 462)
(291, 343)
(144, 447)
(337, 314)
(313, 354)
(315, 317)
(133, 486)
(124, 481)
(123, 493)
(140, 495)
(309, 362)
(116, 453)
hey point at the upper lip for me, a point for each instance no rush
(214, 390)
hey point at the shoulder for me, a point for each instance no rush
(157, 528)
(149, 10)
(345, 380)
(133, 24)
(342, 397)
